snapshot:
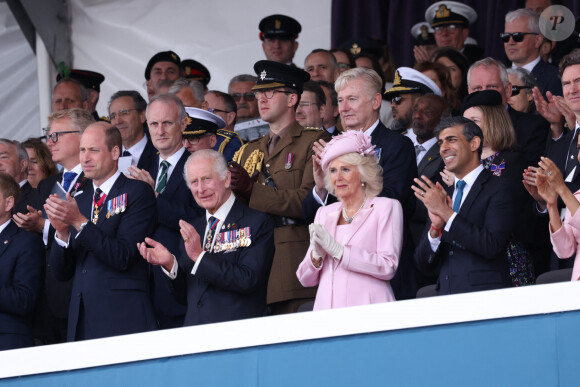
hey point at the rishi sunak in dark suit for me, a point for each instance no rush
(228, 280)
(466, 244)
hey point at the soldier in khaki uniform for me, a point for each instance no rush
(274, 174)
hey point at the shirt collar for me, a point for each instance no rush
(4, 225)
(470, 178)
(224, 210)
(108, 184)
(78, 169)
(174, 158)
(137, 149)
(528, 66)
(372, 128)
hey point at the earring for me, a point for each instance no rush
(362, 184)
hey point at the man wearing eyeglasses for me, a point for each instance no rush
(312, 106)
(63, 140)
(522, 41)
(274, 175)
(249, 125)
(450, 21)
(127, 113)
(223, 105)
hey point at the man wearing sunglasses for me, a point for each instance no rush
(249, 125)
(274, 174)
(522, 41)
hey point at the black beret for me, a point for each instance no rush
(481, 98)
(279, 26)
(89, 79)
(273, 74)
(163, 56)
(192, 70)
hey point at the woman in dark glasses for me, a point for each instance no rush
(522, 82)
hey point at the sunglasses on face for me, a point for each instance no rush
(516, 89)
(397, 100)
(516, 36)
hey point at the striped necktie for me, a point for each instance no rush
(162, 182)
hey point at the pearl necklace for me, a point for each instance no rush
(349, 219)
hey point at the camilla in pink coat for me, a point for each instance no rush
(565, 236)
(355, 243)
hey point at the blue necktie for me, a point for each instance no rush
(68, 179)
(459, 196)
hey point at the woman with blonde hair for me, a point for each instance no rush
(355, 243)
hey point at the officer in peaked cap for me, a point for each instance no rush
(200, 132)
(163, 65)
(424, 42)
(408, 85)
(91, 80)
(278, 34)
(273, 75)
(274, 175)
(192, 70)
(450, 21)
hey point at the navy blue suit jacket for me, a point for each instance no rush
(229, 285)
(28, 196)
(148, 159)
(531, 133)
(110, 276)
(547, 78)
(175, 203)
(472, 254)
(21, 275)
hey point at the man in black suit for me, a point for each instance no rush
(522, 41)
(359, 101)
(167, 120)
(127, 113)
(21, 272)
(427, 112)
(531, 130)
(226, 272)
(96, 243)
(469, 228)
(14, 162)
(563, 150)
(63, 138)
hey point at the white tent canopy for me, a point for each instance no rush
(117, 38)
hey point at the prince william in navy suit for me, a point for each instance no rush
(96, 243)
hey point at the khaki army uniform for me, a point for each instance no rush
(290, 168)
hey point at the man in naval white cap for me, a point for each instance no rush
(200, 132)
(408, 85)
(450, 21)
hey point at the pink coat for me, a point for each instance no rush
(566, 240)
(371, 255)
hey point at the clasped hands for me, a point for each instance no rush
(62, 214)
(435, 199)
(322, 244)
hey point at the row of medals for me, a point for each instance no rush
(240, 241)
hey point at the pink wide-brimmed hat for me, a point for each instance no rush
(351, 141)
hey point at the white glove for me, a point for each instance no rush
(322, 238)
(317, 251)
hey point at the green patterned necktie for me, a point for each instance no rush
(162, 182)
